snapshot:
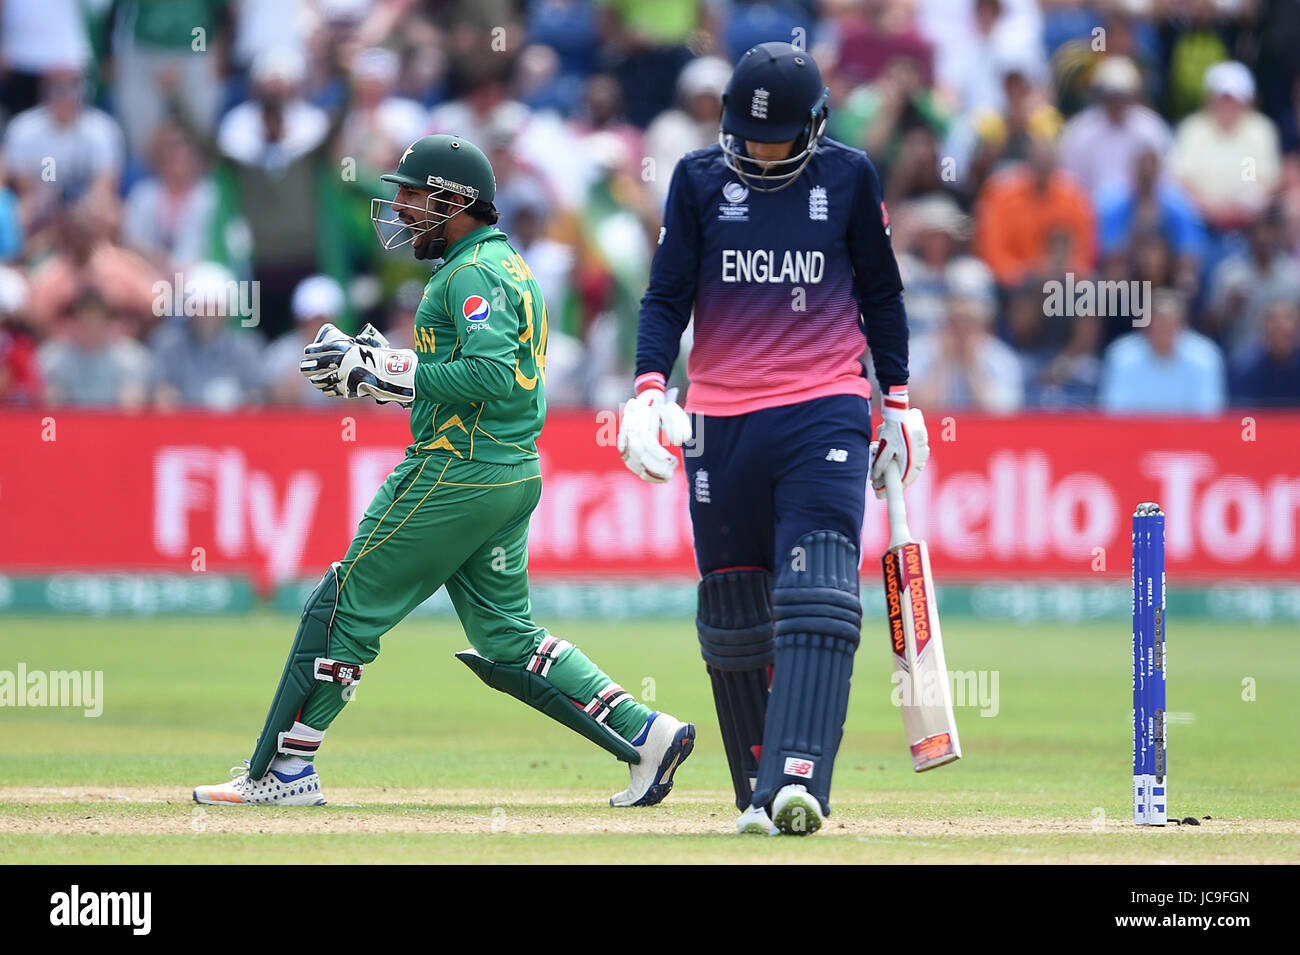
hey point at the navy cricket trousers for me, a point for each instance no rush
(758, 482)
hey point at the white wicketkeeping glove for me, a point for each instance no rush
(324, 354)
(901, 437)
(365, 365)
(373, 337)
(644, 416)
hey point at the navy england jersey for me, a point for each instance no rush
(782, 284)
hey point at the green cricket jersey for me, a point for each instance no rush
(480, 334)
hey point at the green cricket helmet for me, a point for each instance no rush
(439, 165)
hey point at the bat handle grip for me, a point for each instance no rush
(899, 533)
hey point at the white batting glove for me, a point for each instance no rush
(901, 437)
(644, 417)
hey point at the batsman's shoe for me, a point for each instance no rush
(664, 745)
(276, 788)
(755, 821)
(795, 812)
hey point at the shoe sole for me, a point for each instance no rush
(673, 757)
(213, 801)
(800, 816)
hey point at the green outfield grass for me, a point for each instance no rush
(427, 764)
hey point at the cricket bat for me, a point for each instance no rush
(920, 672)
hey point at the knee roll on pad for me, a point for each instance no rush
(308, 663)
(735, 619)
(735, 628)
(817, 588)
(818, 614)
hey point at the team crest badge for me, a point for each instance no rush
(818, 204)
(476, 309)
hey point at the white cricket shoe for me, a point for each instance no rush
(667, 743)
(300, 787)
(756, 821)
(795, 812)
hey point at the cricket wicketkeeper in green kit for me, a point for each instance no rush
(454, 513)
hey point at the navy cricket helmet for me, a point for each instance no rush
(775, 95)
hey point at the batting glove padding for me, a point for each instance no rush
(644, 417)
(901, 437)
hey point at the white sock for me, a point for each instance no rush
(289, 765)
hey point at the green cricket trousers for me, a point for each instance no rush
(440, 521)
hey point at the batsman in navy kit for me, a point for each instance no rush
(777, 240)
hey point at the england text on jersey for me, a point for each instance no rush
(769, 265)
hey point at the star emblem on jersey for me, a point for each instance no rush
(476, 309)
(818, 205)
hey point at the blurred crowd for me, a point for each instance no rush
(1094, 204)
